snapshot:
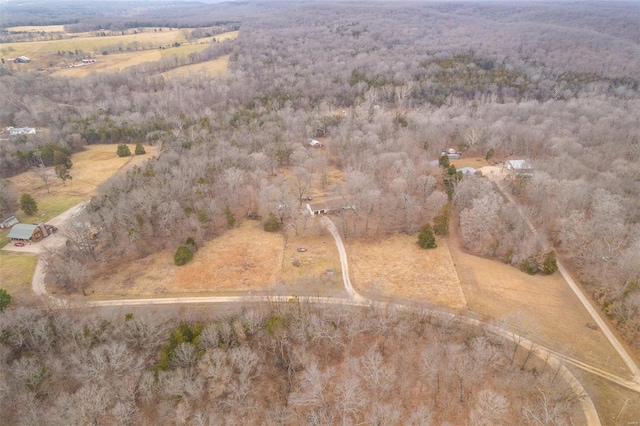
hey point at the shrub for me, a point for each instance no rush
(549, 263)
(426, 239)
(5, 300)
(140, 149)
(28, 204)
(191, 244)
(123, 150)
(272, 224)
(529, 265)
(441, 221)
(231, 218)
(182, 256)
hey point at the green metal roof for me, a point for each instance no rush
(21, 231)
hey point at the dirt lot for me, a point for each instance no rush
(397, 267)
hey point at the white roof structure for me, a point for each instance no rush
(518, 165)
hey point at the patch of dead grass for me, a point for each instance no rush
(214, 68)
(397, 267)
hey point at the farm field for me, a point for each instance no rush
(146, 48)
(396, 267)
(540, 306)
(37, 29)
(93, 44)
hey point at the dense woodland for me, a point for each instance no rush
(272, 365)
(389, 86)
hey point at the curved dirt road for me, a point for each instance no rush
(595, 315)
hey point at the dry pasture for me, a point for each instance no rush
(91, 167)
(242, 260)
(541, 307)
(214, 68)
(37, 29)
(395, 267)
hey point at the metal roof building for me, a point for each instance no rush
(24, 232)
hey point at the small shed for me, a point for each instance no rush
(9, 222)
(25, 232)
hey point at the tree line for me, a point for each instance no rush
(272, 364)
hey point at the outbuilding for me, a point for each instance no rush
(25, 232)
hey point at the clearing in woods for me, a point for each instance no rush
(213, 68)
(540, 306)
(244, 259)
(91, 167)
(396, 268)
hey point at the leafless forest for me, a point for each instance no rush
(389, 85)
(287, 364)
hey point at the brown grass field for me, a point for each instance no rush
(91, 167)
(396, 267)
(33, 49)
(539, 306)
(44, 53)
(244, 259)
(214, 68)
(37, 29)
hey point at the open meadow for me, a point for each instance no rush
(244, 260)
(533, 305)
(396, 268)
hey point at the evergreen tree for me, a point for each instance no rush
(140, 149)
(123, 150)
(28, 204)
(426, 239)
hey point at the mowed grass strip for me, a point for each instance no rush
(395, 267)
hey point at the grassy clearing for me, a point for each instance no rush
(17, 272)
(91, 167)
(50, 207)
(94, 44)
(540, 306)
(244, 259)
(214, 68)
(475, 162)
(37, 29)
(396, 267)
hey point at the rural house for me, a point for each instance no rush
(518, 168)
(15, 131)
(26, 232)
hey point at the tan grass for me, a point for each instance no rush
(542, 307)
(91, 167)
(214, 68)
(37, 29)
(94, 44)
(397, 267)
(243, 259)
